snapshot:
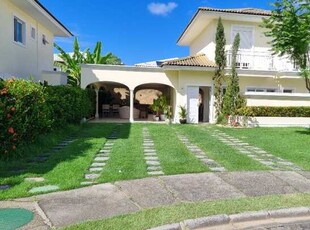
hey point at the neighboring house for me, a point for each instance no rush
(27, 31)
(265, 80)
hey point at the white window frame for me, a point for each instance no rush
(260, 89)
(292, 89)
(24, 30)
(240, 25)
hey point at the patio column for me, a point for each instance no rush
(97, 103)
(131, 106)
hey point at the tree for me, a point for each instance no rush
(220, 60)
(72, 63)
(232, 98)
(289, 27)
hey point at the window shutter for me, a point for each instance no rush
(246, 36)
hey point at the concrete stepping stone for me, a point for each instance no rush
(101, 158)
(151, 158)
(153, 163)
(4, 187)
(47, 188)
(150, 154)
(149, 150)
(97, 169)
(155, 173)
(34, 179)
(154, 168)
(201, 157)
(40, 158)
(97, 164)
(105, 151)
(92, 176)
(88, 183)
(218, 169)
(103, 155)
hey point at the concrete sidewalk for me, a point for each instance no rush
(106, 200)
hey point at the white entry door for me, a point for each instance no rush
(192, 104)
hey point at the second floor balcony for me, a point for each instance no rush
(261, 60)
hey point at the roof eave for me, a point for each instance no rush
(188, 68)
(65, 31)
(224, 15)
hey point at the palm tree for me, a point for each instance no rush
(71, 63)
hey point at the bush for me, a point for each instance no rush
(265, 111)
(28, 109)
(68, 105)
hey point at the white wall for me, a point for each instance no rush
(205, 42)
(23, 60)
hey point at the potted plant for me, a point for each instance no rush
(169, 114)
(156, 108)
(162, 100)
(182, 114)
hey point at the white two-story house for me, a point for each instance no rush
(265, 80)
(27, 31)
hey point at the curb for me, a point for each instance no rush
(235, 218)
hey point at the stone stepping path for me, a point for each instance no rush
(100, 159)
(45, 156)
(201, 155)
(47, 188)
(150, 155)
(255, 153)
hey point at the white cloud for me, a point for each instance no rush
(161, 8)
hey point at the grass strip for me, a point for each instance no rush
(172, 153)
(176, 213)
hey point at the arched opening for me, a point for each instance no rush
(111, 96)
(147, 94)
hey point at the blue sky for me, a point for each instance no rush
(134, 30)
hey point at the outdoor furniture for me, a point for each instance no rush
(124, 112)
(105, 110)
(115, 109)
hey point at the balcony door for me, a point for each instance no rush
(246, 36)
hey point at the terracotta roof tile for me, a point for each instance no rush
(252, 11)
(199, 60)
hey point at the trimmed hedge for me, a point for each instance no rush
(28, 109)
(264, 111)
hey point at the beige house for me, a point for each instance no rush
(27, 31)
(265, 79)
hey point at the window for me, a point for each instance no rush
(288, 91)
(261, 90)
(246, 36)
(19, 31)
(33, 33)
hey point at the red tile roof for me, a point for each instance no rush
(199, 60)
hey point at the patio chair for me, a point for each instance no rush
(115, 109)
(105, 110)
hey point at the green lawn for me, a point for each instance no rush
(176, 213)
(67, 167)
(227, 156)
(291, 144)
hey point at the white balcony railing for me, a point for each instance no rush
(254, 60)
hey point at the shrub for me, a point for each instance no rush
(28, 109)
(23, 113)
(264, 111)
(68, 105)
